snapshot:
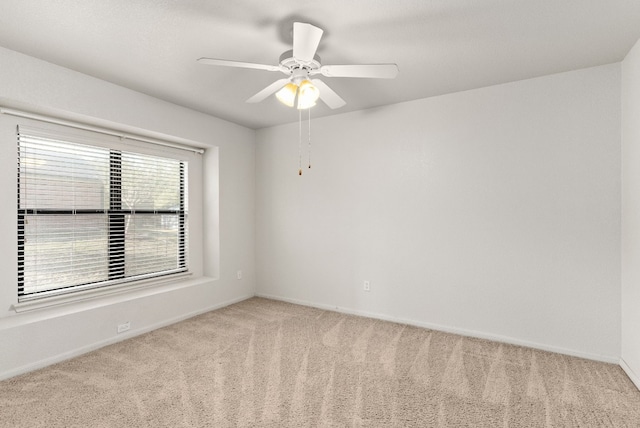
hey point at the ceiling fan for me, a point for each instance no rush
(301, 63)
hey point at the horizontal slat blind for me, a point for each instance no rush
(92, 216)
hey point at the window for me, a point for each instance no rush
(91, 216)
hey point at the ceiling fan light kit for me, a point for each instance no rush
(307, 95)
(301, 88)
(287, 95)
(299, 64)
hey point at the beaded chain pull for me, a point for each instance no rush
(299, 142)
(309, 138)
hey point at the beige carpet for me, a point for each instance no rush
(262, 363)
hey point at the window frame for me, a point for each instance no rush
(89, 137)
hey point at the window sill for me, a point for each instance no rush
(96, 293)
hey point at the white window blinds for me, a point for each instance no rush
(91, 216)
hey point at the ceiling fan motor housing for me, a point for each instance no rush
(299, 70)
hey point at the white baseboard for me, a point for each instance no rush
(453, 330)
(632, 375)
(470, 333)
(100, 344)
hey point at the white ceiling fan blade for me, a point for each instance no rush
(238, 64)
(306, 38)
(327, 95)
(374, 71)
(271, 89)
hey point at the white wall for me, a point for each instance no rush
(223, 229)
(493, 212)
(631, 214)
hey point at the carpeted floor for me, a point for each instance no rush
(262, 363)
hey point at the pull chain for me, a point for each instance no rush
(299, 142)
(309, 138)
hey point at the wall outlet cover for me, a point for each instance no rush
(124, 327)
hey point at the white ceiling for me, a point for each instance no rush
(440, 46)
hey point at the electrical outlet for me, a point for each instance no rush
(367, 286)
(124, 327)
(239, 274)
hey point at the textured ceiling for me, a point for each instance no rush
(440, 46)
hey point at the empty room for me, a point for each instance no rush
(320, 213)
